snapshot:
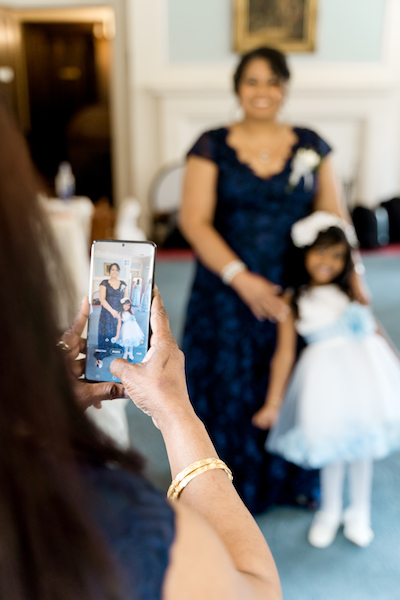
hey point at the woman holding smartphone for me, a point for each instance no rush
(77, 517)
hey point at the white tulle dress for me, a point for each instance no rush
(343, 400)
(131, 334)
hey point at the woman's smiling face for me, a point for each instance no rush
(260, 90)
(114, 272)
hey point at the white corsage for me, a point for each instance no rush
(305, 232)
(304, 164)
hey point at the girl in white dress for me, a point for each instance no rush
(128, 329)
(342, 403)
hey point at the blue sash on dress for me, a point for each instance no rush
(356, 321)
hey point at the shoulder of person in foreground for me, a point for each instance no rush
(200, 567)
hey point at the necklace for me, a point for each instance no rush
(263, 157)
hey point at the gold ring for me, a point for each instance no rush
(63, 346)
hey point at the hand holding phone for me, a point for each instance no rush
(87, 393)
(121, 289)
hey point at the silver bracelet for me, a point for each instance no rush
(231, 270)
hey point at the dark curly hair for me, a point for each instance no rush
(296, 276)
(274, 58)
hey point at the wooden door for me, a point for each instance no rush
(61, 79)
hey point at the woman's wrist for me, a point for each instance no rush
(274, 401)
(175, 416)
(186, 440)
(233, 268)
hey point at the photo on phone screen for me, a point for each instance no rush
(121, 286)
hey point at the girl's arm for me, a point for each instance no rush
(118, 327)
(380, 330)
(104, 303)
(329, 196)
(280, 370)
(196, 223)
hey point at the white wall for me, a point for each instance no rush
(163, 102)
(353, 103)
(346, 31)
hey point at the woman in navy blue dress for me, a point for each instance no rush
(245, 186)
(111, 292)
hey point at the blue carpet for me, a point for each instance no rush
(343, 571)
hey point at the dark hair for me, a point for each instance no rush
(125, 300)
(296, 275)
(49, 546)
(275, 59)
(114, 265)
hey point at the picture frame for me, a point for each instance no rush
(287, 25)
(107, 269)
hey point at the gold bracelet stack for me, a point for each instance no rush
(197, 468)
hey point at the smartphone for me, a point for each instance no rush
(120, 294)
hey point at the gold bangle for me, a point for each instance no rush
(197, 468)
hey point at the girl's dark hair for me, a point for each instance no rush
(114, 265)
(122, 305)
(49, 546)
(296, 275)
(275, 59)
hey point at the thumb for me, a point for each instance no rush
(120, 367)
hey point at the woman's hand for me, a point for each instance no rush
(87, 394)
(260, 295)
(157, 385)
(114, 313)
(266, 417)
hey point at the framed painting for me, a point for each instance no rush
(107, 268)
(288, 25)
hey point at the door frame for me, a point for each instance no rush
(113, 14)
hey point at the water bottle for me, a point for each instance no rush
(65, 181)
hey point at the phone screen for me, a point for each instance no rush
(121, 288)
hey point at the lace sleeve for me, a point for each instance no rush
(205, 147)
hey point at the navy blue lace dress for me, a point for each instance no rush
(138, 526)
(227, 349)
(107, 323)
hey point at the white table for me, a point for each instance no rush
(71, 221)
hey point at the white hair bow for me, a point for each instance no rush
(305, 232)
